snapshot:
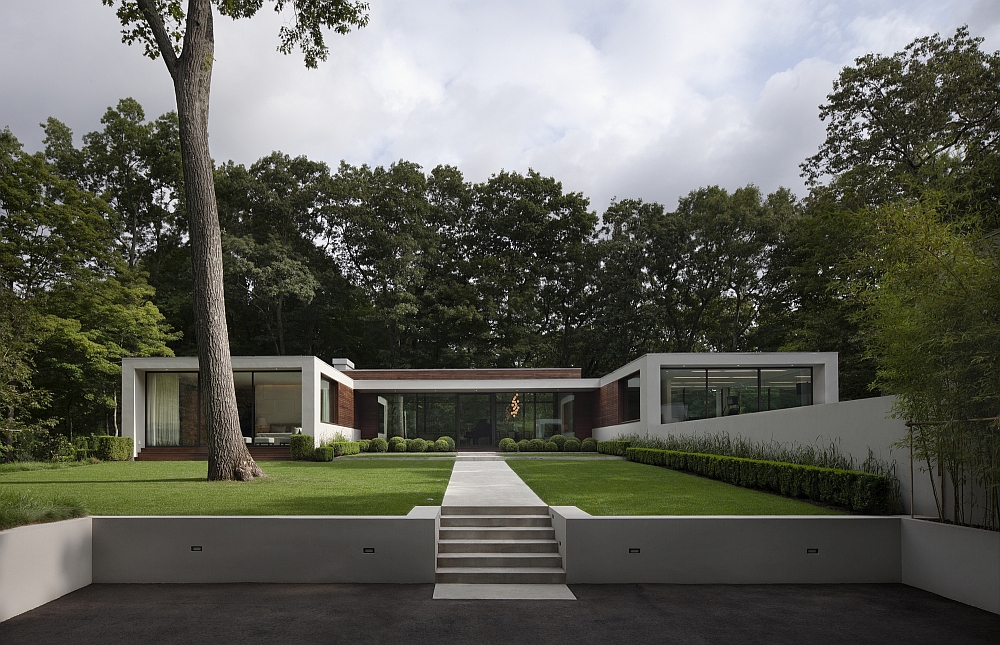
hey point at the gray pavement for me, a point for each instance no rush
(249, 614)
(481, 482)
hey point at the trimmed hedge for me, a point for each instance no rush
(536, 445)
(450, 440)
(324, 453)
(551, 446)
(855, 491)
(523, 445)
(108, 448)
(364, 445)
(615, 447)
(416, 445)
(558, 439)
(342, 448)
(378, 444)
(441, 446)
(507, 445)
(301, 447)
(589, 445)
(571, 445)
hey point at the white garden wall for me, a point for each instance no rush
(42, 562)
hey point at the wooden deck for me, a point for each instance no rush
(200, 453)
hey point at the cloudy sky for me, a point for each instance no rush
(613, 98)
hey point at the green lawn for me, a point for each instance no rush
(339, 487)
(626, 488)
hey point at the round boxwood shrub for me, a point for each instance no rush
(378, 444)
(397, 444)
(451, 442)
(441, 446)
(571, 445)
(589, 445)
(551, 446)
(558, 439)
(507, 445)
(537, 445)
(416, 445)
(364, 445)
(523, 445)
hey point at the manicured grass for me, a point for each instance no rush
(339, 487)
(626, 488)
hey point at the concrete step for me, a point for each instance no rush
(496, 520)
(498, 546)
(501, 575)
(508, 560)
(496, 533)
(494, 510)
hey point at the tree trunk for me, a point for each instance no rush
(228, 457)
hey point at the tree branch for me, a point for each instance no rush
(155, 22)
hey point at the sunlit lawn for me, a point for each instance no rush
(339, 487)
(626, 488)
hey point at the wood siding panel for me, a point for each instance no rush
(461, 375)
(366, 414)
(585, 413)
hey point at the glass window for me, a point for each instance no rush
(682, 395)
(435, 416)
(277, 401)
(475, 427)
(785, 388)
(629, 396)
(173, 411)
(732, 391)
(327, 400)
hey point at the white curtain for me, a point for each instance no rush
(164, 410)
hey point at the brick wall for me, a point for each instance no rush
(366, 414)
(345, 405)
(609, 411)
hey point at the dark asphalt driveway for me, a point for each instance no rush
(634, 614)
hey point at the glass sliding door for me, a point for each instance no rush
(173, 411)
(277, 402)
(244, 401)
(475, 414)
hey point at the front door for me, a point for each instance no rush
(475, 421)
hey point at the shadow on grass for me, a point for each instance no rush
(34, 482)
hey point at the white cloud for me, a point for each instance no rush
(645, 99)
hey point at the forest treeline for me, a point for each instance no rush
(400, 266)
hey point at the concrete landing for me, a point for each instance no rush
(502, 592)
(487, 483)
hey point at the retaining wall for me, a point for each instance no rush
(266, 549)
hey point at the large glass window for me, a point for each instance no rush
(327, 400)
(689, 394)
(629, 396)
(266, 402)
(277, 402)
(173, 412)
(682, 395)
(785, 388)
(477, 419)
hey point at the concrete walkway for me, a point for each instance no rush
(476, 482)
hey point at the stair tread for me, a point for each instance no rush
(473, 541)
(524, 570)
(516, 517)
(477, 554)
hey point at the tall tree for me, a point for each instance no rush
(185, 40)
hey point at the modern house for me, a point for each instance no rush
(279, 396)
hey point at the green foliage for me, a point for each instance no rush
(551, 446)
(616, 447)
(324, 453)
(364, 445)
(507, 445)
(588, 445)
(855, 491)
(342, 448)
(397, 446)
(571, 445)
(523, 445)
(378, 444)
(442, 446)
(934, 330)
(416, 445)
(108, 448)
(450, 440)
(301, 447)
(20, 509)
(558, 439)
(536, 445)
(34, 444)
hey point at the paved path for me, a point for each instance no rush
(256, 614)
(477, 482)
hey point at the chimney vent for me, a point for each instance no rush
(342, 364)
